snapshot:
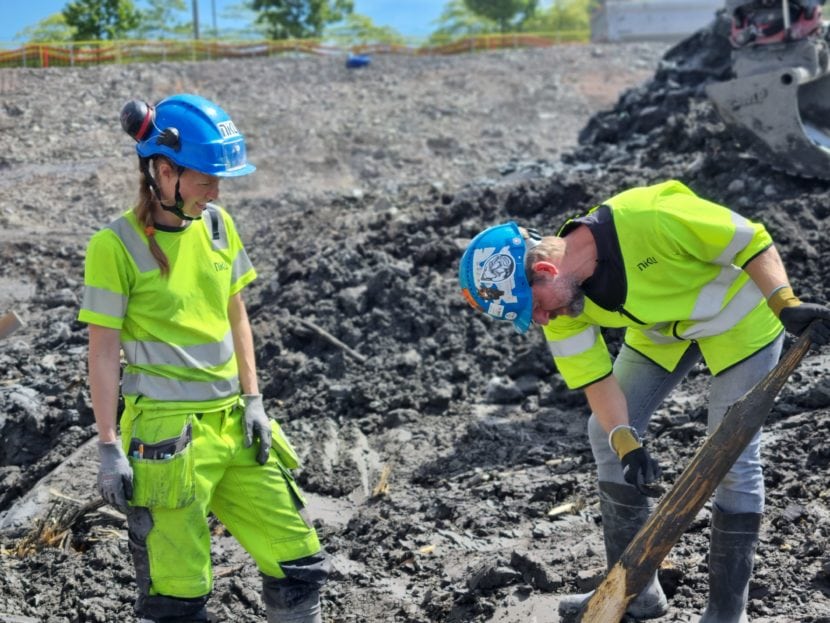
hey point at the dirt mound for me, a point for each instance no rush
(370, 185)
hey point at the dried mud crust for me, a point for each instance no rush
(369, 185)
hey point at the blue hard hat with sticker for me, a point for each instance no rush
(191, 131)
(492, 275)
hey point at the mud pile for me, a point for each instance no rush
(468, 424)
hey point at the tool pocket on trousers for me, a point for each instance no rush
(297, 496)
(285, 451)
(163, 471)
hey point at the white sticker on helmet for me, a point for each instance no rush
(498, 267)
(494, 276)
(227, 129)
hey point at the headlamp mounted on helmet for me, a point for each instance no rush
(492, 274)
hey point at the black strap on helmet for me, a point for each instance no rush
(176, 208)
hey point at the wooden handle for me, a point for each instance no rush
(692, 489)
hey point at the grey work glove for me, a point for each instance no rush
(115, 476)
(257, 424)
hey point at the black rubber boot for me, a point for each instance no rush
(305, 611)
(624, 511)
(731, 558)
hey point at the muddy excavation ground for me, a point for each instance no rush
(369, 185)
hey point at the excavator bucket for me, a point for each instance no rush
(778, 106)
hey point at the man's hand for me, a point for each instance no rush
(257, 424)
(639, 469)
(115, 476)
(797, 316)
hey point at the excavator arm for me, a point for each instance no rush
(778, 103)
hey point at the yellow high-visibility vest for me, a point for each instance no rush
(683, 259)
(175, 331)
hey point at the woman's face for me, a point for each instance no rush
(197, 189)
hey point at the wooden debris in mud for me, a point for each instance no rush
(331, 339)
(382, 488)
(567, 508)
(54, 529)
(9, 323)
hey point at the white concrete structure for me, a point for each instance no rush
(651, 20)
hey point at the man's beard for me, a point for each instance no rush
(575, 297)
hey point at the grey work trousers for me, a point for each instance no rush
(646, 384)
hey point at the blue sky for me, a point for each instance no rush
(409, 17)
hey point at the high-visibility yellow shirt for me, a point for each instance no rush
(683, 258)
(175, 330)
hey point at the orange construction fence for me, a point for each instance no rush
(71, 54)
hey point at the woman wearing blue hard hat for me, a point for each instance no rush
(689, 280)
(163, 284)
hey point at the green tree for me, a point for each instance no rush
(457, 20)
(360, 29)
(242, 13)
(562, 15)
(101, 19)
(508, 14)
(299, 19)
(51, 28)
(161, 20)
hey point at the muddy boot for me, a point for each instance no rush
(624, 511)
(731, 557)
(296, 597)
(305, 611)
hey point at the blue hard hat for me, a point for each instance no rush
(492, 275)
(191, 131)
(354, 61)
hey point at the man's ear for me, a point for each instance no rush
(545, 268)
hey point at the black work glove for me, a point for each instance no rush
(639, 469)
(798, 317)
(257, 424)
(115, 476)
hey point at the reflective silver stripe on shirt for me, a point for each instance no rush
(655, 334)
(136, 246)
(742, 237)
(711, 296)
(241, 265)
(104, 302)
(741, 304)
(197, 357)
(159, 388)
(215, 225)
(576, 344)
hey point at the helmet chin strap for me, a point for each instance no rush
(176, 208)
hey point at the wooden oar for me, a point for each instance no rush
(693, 488)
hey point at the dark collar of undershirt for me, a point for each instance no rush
(170, 228)
(607, 286)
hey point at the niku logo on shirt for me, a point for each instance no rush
(649, 261)
(220, 266)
